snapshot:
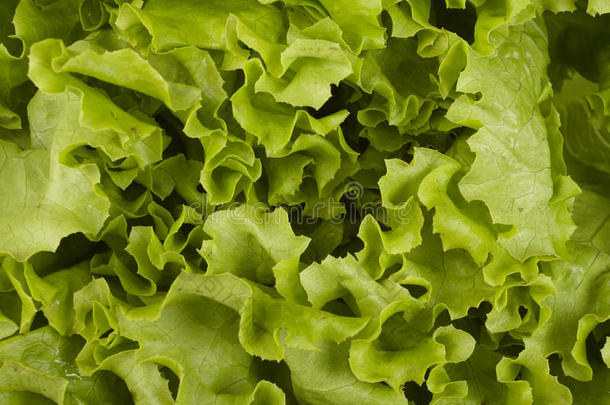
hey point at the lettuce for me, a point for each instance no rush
(270, 202)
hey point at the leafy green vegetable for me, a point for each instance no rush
(271, 202)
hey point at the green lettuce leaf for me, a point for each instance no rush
(516, 159)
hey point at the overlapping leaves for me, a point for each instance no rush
(302, 201)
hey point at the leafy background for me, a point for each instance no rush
(304, 201)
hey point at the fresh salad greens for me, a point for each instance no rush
(316, 202)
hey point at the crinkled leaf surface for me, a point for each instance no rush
(304, 202)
